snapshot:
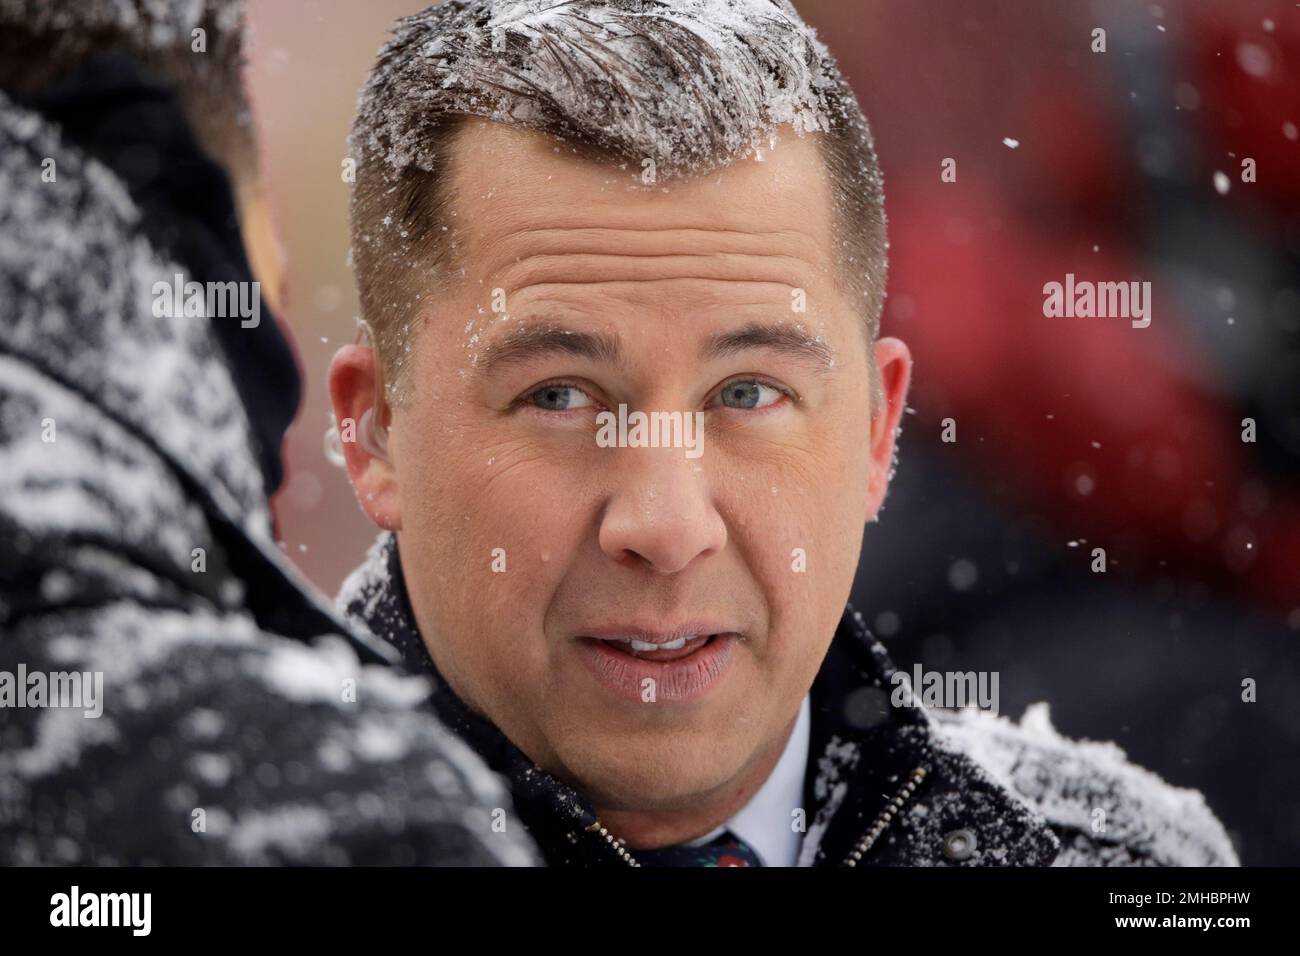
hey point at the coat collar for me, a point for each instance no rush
(882, 787)
(79, 313)
(885, 787)
(163, 377)
(119, 113)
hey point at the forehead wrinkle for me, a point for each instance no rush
(570, 203)
(504, 237)
(789, 272)
(513, 246)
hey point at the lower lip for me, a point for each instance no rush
(685, 679)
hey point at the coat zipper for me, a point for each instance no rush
(886, 816)
(878, 827)
(613, 842)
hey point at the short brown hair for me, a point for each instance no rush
(692, 85)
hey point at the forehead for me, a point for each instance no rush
(518, 194)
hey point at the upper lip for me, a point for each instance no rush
(654, 634)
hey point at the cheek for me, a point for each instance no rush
(485, 541)
(797, 517)
(811, 492)
(495, 518)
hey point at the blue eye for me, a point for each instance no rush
(747, 393)
(559, 398)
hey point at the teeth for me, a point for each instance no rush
(649, 647)
(676, 645)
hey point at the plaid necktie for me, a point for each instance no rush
(726, 850)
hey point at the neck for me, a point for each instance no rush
(652, 829)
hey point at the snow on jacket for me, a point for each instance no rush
(241, 721)
(885, 785)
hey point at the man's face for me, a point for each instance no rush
(527, 546)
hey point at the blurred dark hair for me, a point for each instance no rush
(43, 41)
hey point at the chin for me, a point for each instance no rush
(653, 774)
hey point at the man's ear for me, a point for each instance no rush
(352, 378)
(894, 366)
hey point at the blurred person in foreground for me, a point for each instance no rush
(569, 215)
(169, 691)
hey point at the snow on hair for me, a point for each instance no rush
(691, 85)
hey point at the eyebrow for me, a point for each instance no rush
(531, 342)
(780, 337)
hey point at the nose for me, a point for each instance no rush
(661, 513)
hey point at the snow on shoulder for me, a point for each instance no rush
(1090, 788)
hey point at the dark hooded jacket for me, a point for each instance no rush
(884, 785)
(241, 721)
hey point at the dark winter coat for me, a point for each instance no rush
(885, 785)
(242, 722)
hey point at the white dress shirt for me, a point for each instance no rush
(766, 822)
